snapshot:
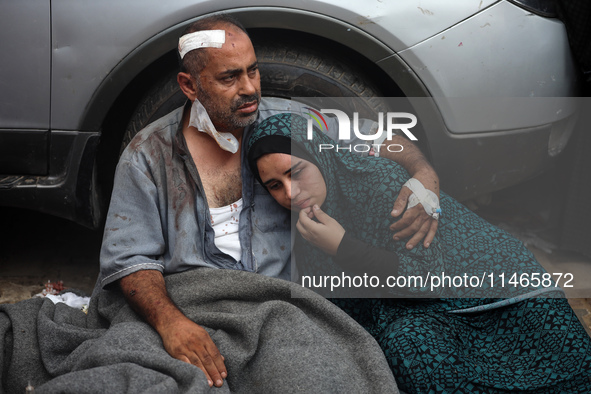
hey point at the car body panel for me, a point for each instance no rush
(505, 70)
(82, 30)
(473, 164)
(25, 65)
(83, 57)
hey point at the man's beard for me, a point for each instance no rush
(228, 119)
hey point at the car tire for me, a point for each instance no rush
(287, 71)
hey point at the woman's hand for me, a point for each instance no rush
(326, 233)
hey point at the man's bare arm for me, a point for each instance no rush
(183, 339)
(415, 223)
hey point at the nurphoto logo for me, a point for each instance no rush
(391, 119)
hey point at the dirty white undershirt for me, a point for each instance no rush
(224, 221)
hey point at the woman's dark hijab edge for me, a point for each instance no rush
(273, 135)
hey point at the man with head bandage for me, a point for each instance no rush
(184, 196)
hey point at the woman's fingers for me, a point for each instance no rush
(326, 233)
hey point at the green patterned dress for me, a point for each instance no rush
(469, 339)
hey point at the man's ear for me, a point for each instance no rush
(187, 86)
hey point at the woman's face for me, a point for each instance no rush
(295, 183)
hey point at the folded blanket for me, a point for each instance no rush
(272, 343)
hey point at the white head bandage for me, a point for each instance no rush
(201, 39)
(202, 122)
(199, 117)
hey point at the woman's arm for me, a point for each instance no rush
(351, 254)
(360, 257)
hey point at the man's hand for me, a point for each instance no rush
(145, 291)
(189, 342)
(415, 222)
(326, 233)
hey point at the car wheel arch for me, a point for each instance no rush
(395, 74)
(125, 86)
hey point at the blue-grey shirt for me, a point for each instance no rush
(159, 218)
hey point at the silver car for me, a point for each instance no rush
(79, 78)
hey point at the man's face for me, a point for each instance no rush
(229, 87)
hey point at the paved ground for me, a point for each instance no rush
(40, 248)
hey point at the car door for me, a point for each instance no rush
(25, 48)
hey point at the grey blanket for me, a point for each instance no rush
(272, 343)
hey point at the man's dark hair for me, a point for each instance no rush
(195, 61)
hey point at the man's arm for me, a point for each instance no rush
(415, 223)
(183, 339)
(350, 253)
(133, 237)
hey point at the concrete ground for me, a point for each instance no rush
(40, 248)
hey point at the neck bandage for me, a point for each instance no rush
(201, 39)
(202, 122)
(199, 117)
